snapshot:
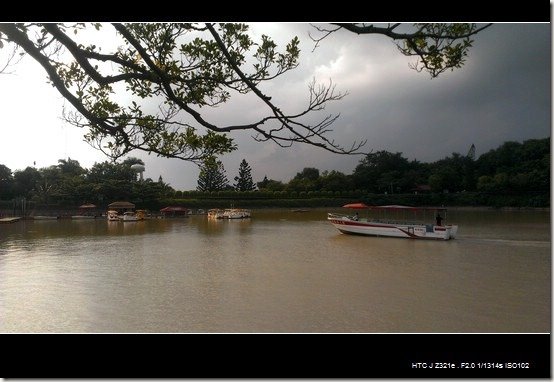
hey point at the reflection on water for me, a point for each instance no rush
(277, 272)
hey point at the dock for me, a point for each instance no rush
(9, 220)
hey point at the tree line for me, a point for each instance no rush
(513, 169)
(68, 184)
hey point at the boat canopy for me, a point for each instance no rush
(121, 205)
(357, 206)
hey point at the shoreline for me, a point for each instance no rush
(305, 208)
(488, 208)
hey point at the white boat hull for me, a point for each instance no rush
(230, 213)
(348, 225)
(236, 213)
(113, 216)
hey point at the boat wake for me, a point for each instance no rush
(519, 243)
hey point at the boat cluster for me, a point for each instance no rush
(125, 212)
(229, 213)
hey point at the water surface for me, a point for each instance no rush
(277, 272)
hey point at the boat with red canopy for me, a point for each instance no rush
(395, 221)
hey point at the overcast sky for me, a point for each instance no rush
(501, 94)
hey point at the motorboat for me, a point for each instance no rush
(140, 214)
(216, 213)
(10, 220)
(392, 221)
(113, 216)
(236, 213)
(130, 216)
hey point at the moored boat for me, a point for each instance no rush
(113, 216)
(216, 213)
(236, 213)
(10, 220)
(124, 211)
(130, 216)
(395, 227)
(44, 217)
(140, 214)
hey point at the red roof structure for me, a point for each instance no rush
(174, 211)
(357, 206)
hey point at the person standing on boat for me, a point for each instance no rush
(356, 217)
(439, 219)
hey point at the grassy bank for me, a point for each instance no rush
(226, 199)
(448, 200)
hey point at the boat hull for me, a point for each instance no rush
(9, 220)
(216, 214)
(238, 215)
(229, 213)
(113, 216)
(351, 226)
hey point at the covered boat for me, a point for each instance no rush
(174, 211)
(86, 211)
(393, 221)
(121, 211)
(130, 216)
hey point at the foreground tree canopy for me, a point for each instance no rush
(183, 68)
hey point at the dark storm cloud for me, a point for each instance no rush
(501, 94)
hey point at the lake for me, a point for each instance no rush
(277, 272)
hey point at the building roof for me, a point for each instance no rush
(174, 209)
(121, 205)
(88, 206)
